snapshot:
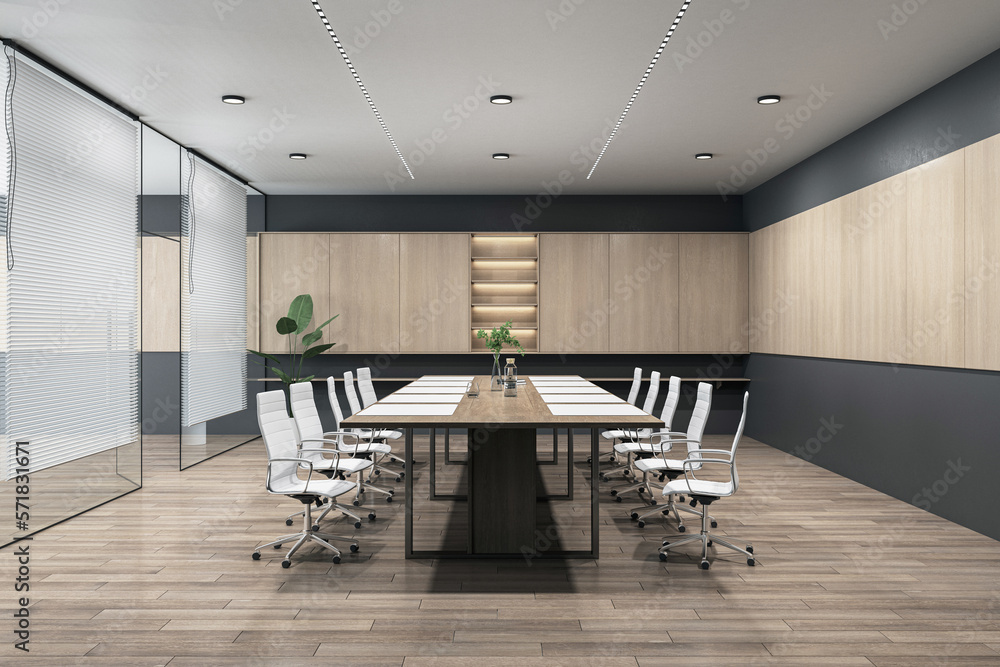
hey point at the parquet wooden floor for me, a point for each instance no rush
(846, 576)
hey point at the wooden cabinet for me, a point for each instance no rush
(291, 264)
(573, 293)
(643, 292)
(714, 293)
(364, 291)
(161, 294)
(434, 293)
(982, 254)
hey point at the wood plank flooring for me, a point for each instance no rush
(846, 576)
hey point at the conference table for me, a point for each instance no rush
(502, 457)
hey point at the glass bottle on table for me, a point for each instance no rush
(510, 378)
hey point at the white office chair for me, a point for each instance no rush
(370, 445)
(674, 468)
(311, 432)
(705, 492)
(368, 397)
(284, 460)
(643, 446)
(630, 435)
(633, 396)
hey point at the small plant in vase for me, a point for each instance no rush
(496, 340)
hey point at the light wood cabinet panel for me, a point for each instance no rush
(873, 236)
(763, 289)
(253, 295)
(291, 264)
(364, 291)
(434, 310)
(935, 268)
(643, 293)
(161, 294)
(573, 293)
(714, 293)
(982, 254)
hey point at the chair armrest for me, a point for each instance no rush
(725, 452)
(335, 461)
(305, 462)
(689, 468)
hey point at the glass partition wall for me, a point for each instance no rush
(69, 291)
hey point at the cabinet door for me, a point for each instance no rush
(291, 264)
(573, 293)
(434, 310)
(714, 293)
(643, 293)
(161, 294)
(364, 292)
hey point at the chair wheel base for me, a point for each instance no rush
(618, 499)
(277, 546)
(354, 548)
(357, 524)
(288, 522)
(652, 501)
(751, 562)
(704, 565)
(315, 528)
(336, 560)
(388, 499)
(614, 492)
(399, 478)
(715, 524)
(356, 503)
(634, 515)
(642, 524)
(663, 557)
(682, 528)
(371, 517)
(604, 478)
(750, 548)
(286, 563)
(255, 555)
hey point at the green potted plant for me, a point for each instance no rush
(495, 342)
(300, 344)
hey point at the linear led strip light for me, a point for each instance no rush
(642, 81)
(361, 85)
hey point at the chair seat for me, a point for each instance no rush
(381, 434)
(657, 464)
(346, 465)
(366, 448)
(641, 447)
(698, 487)
(330, 488)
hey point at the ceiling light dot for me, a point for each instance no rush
(501, 156)
(501, 99)
(703, 156)
(233, 99)
(768, 99)
(297, 156)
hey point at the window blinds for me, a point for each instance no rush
(70, 368)
(213, 293)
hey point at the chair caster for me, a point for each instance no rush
(336, 560)
(255, 555)
(634, 515)
(704, 565)
(356, 503)
(402, 464)
(681, 528)
(399, 478)
(640, 490)
(751, 562)
(618, 499)
(652, 501)
(286, 563)
(715, 524)
(642, 524)
(664, 543)
(604, 478)
(614, 492)
(392, 492)
(277, 546)
(378, 472)
(315, 528)
(662, 477)
(388, 499)
(357, 524)
(590, 459)
(710, 543)
(341, 477)
(371, 517)
(750, 548)
(680, 499)
(288, 522)
(627, 473)
(612, 459)
(663, 557)
(354, 548)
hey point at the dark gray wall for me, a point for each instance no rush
(502, 213)
(908, 431)
(959, 111)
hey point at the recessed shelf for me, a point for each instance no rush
(502, 282)
(486, 258)
(504, 277)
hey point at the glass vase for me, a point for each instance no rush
(496, 378)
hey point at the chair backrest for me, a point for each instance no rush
(670, 403)
(654, 391)
(633, 392)
(736, 441)
(352, 395)
(702, 406)
(331, 393)
(279, 436)
(304, 411)
(368, 395)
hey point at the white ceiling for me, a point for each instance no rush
(171, 61)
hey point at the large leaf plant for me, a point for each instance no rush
(300, 344)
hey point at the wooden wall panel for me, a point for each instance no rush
(935, 269)
(291, 264)
(763, 288)
(434, 308)
(573, 293)
(161, 294)
(982, 254)
(253, 295)
(643, 292)
(364, 291)
(874, 270)
(714, 293)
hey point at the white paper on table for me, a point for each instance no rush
(580, 398)
(422, 398)
(547, 378)
(593, 410)
(570, 390)
(424, 389)
(408, 410)
(445, 378)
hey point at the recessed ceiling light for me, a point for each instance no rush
(501, 156)
(233, 99)
(501, 99)
(297, 156)
(703, 156)
(768, 99)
